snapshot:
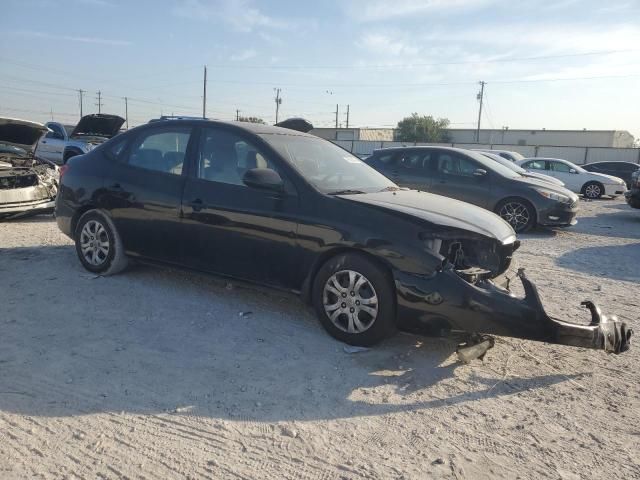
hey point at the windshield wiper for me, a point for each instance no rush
(346, 191)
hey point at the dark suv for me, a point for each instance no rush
(471, 177)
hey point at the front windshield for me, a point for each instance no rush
(493, 165)
(516, 156)
(328, 167)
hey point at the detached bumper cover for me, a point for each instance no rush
(447, 301)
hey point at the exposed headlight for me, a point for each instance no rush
(558, 197)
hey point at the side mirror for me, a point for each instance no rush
(572, 170)
(479, 172)
(263, 179)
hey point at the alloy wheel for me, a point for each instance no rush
(592, 191)
(94, 243)
(350, 301)
(516, 214)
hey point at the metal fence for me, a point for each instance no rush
(578, 155)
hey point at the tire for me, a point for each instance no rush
(353, 320)
(106, 255)
(518, 213)
(592, 190)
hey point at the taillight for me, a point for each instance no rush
(63, 169)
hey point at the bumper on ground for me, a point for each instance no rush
(445, 301)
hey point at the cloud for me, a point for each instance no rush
(374, 10)
(241, 15)
(71, 38)
(244, 55)
(386, 45)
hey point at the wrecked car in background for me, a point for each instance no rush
(290, 210)
(28, 185)
(59, 146)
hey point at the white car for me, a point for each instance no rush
(577, 179)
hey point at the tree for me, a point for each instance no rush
(423, 128)
(251, 119)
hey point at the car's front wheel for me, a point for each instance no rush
(354, 299)
(593, 190)
(519, 213)
(98, 244)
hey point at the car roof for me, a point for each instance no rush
(255, 128)
(421, 147)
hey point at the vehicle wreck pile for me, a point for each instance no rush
(28, 185)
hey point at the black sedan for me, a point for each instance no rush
(471, 177)
(293, 211)
(623, 170)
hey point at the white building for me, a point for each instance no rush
(559, 138)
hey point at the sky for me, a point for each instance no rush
(561, 64)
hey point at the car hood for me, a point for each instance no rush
(98, 124)
(537, 182)
(21, 133)
(439, 210)
(544, 178)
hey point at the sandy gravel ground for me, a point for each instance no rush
(154, 374)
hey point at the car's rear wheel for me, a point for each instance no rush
(519, 213)
(98, 244)
(354, 299)
(592, 190)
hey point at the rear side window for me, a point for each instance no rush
(162, 151)
(535, 165)
(383, 160)
(451, 164)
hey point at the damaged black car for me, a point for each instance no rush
(28, 185)
(290, 210)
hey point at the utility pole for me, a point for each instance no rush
(347, 116)
(81, 92)
(99, 104)
(336, 115)
(126, 111)
(278, 102)
(480, 97)
(204, 94)
(237, 115)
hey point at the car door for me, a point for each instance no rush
(386, 163)
(51, 146)
(231, 228)
(143, 191)
(565, 172)
(460, 177)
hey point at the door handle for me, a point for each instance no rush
(197, 205)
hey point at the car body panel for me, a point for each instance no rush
(516, 168)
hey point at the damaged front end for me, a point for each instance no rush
(470, 293)
(27, 190)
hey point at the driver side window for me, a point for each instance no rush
(452, 164)
(225, 157)
(559, 167)
(56, 132)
